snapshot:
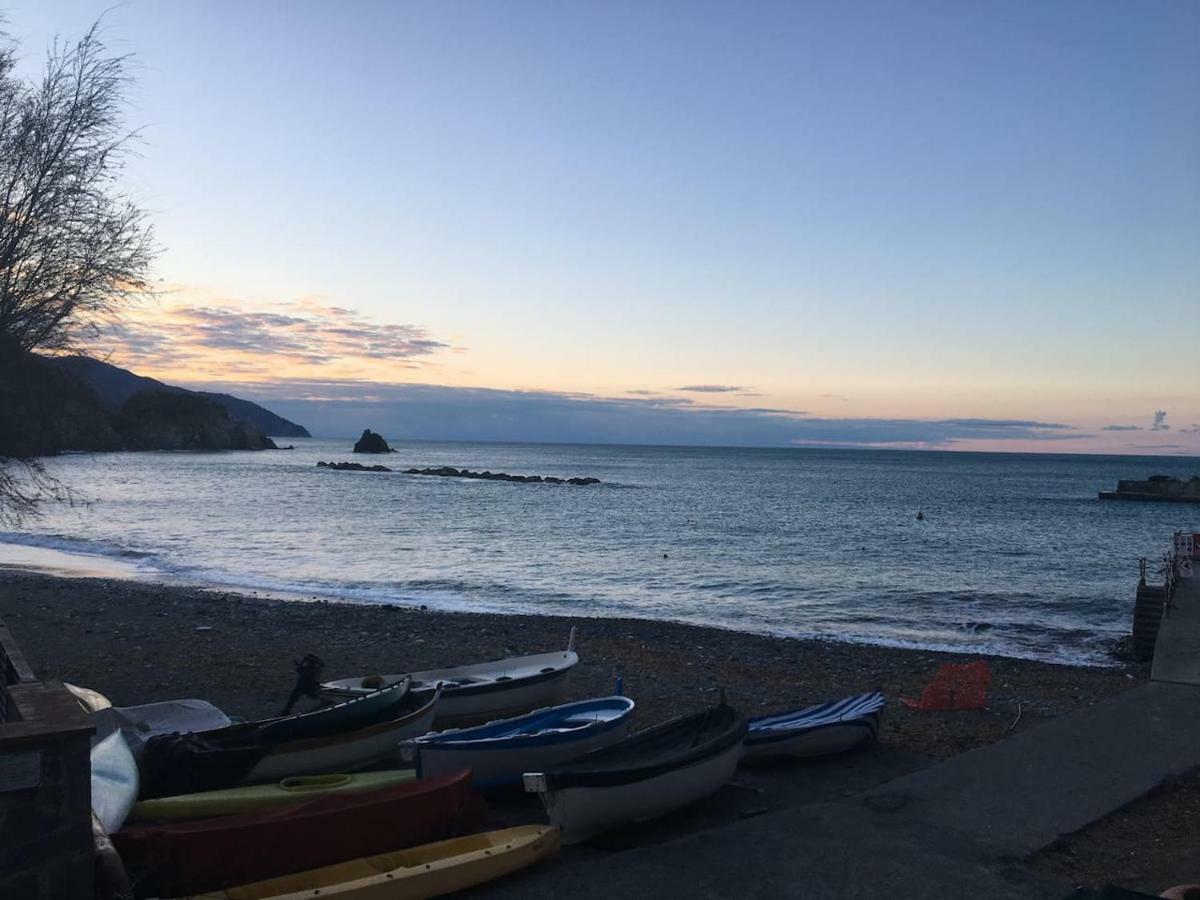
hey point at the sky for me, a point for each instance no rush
(927, 224)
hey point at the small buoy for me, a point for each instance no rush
(664, 556)
(920, 516)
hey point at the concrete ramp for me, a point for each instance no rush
(957, 829)
(1177, 650)
(1023, 793)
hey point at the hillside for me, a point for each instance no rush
(115, 386)
(45, 409)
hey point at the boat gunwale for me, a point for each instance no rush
(346, 737)
(443, 740)
(575, 774)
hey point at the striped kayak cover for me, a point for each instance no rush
(862, 710)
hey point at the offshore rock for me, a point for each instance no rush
(370, 442)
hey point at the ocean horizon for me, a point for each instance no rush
(1014, 554)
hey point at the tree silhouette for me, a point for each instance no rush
(75, 251)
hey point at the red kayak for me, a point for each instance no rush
(209, 854)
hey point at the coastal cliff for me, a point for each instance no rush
(46, 409)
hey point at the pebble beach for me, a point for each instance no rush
(138, 642)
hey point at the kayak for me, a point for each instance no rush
(479, 692)
(181, 858)
(427, 871)
(114, 776)
(259, 797)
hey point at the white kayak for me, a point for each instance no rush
(114, 771)
(501, 752)
(114, 781)
(480, 692)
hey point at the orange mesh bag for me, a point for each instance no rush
(955, 686)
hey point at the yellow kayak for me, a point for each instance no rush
(426, 871)
(260, 797)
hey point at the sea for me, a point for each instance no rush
(1013, 554)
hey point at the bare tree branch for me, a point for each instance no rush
(75, 251)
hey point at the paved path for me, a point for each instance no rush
(953, 830)
(1177, 650)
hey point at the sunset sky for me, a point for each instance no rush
(947, 224)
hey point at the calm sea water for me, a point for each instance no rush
(1015, 555)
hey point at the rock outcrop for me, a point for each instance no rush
(370, 442)
(163, 420)
(451, 472)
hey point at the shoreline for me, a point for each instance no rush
(138, 641)
(72, 563)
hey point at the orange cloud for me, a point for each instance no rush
(192, 336)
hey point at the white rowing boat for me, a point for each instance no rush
(480, 692)
(645, 776)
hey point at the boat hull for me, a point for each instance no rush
(114, 780)
(479, 693)
(818, 730)
(582, 812)
(824, 741)
(213, 854)
(343, 753)
(427, 871)
(261, 797)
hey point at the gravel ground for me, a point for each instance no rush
(1149, 846)
(138, 642)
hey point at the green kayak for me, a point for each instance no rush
(259, 797)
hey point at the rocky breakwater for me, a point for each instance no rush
(451, 472)
(1161, 488)
(351, 467)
